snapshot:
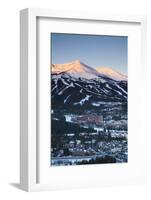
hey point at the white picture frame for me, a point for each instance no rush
(29, 148)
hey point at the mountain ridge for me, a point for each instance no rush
(113, 74)
(78, 69)
(78, 85)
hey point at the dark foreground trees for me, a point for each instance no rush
(98, 160)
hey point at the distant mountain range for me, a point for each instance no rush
(77, 84)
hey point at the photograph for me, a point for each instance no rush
(89, 99)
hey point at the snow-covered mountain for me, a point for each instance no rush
(78, 69)
(109, 72)
(75, 69)
(76, 84)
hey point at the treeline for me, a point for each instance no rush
(98, 160)
(62, 127)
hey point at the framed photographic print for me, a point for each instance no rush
(81, 93)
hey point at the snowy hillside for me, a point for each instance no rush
(111, 73)
(75, 69)
(77, 84)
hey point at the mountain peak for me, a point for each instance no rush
(113, 74)
(77, 62)
(76, 69)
